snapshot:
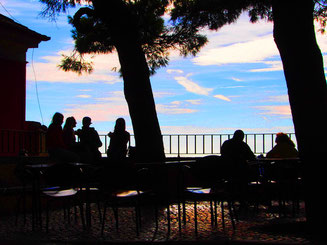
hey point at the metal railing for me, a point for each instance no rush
(176, 145)
(182, 145)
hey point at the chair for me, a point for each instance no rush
(133, 194)
(278, 180)
(213, 189)
(69, 199)
(61, 185)
(285, 179)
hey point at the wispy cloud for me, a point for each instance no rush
(162, 94)
(101, 109)
(279, 98)
(272, 66)
(170, 71)
(222, 97)
(236, 79)
(275, 110)
(192, 87)
(48, 71)
(83, 96)
(244, 52)
(98, 112)
(194, 102)
(173, 109)
(85, 90)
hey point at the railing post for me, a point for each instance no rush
(263, 143)
(178, 145)
(187, 144)
(170, 144)
(203, 141)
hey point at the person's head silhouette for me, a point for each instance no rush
(86, 121)
(120, 125)
(238, 135)
(283, 138)
(70, 122)
(57, 118)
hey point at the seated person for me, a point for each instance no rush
(284, 148)
(236, 149)
(55, 142)
(90, 140)
(236, 153)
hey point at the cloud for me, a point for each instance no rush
(173, 108)
(48, 71)
(84, 96)
(170, 71)
(98, 112)
(279, 98)
(162, 94)
(85, 90)
(274, 66)
(243, 52)
(194, 102)
(275, 110)
(192, 87)
(242, 30)
(102, 109)
(222, 97)
(236, 79)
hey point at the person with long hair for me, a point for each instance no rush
(119, 139)
(57, 148)
(284, 148)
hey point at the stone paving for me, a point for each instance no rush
(261, 226)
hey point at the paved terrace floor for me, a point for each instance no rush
(261, 227)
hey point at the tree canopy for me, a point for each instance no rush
(216, 13)
(93, 35)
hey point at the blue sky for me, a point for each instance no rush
(236, 81)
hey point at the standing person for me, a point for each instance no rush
(119, 139)
(90, 140)
(55, 141)
(69, 133)
(284, 148)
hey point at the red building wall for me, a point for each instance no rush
(12, 94)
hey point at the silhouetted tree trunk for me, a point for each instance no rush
(135, 71)
(294, 35)
(138, 94)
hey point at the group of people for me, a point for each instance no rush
(63, 146)
(236, 149)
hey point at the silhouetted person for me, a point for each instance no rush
(55, 143)
(120, 170)
(284, 148)
(236, 153)
(90, 140)
(119, 139)
(236, 149)
(69, 133)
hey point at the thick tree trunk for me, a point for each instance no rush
(294, 35)
(138, 94)
(137, 86)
